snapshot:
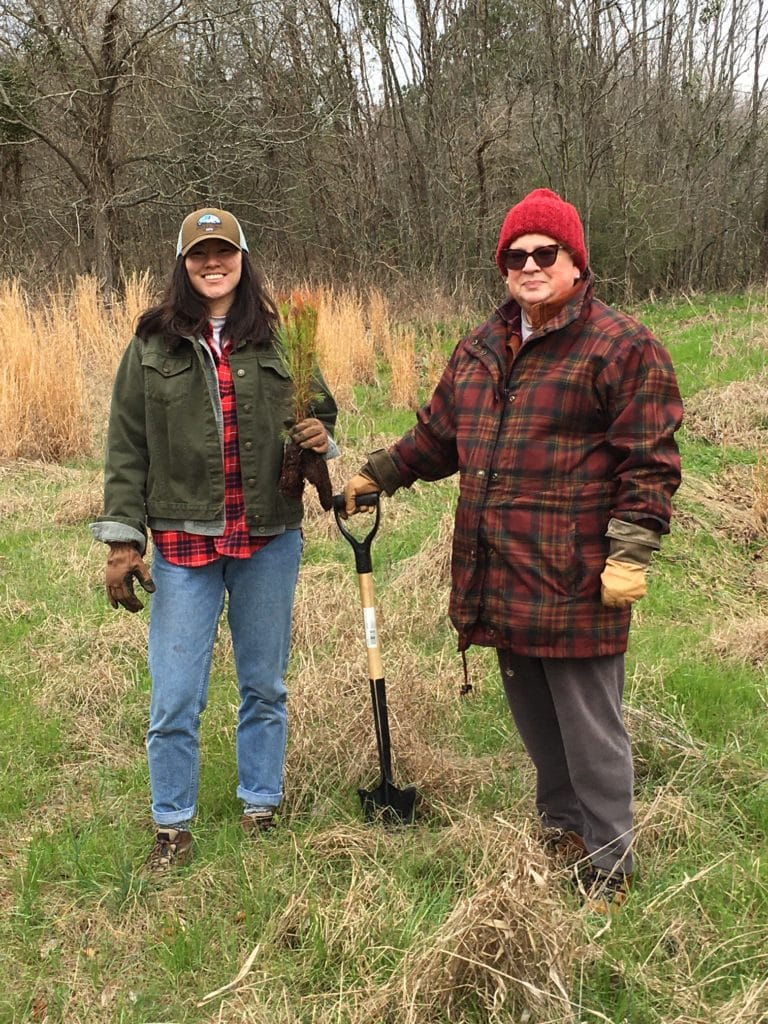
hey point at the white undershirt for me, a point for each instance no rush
(217, 322)
(525, 325)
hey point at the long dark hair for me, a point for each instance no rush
(182, 311)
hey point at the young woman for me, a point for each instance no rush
(194, 453)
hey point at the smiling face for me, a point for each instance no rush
(534, 284)
(214, 268)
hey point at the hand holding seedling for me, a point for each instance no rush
(310, 433)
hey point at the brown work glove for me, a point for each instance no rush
(631, 548)
(309, 433)
(360, 483)
(622, 583)
(123, 563)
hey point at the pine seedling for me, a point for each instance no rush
(297, 335)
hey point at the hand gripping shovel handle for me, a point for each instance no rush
(386, 800)
(361, 546)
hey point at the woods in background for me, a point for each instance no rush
(381, 140)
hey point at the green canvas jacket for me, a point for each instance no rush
(164, 463)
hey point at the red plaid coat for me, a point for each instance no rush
(576, 429)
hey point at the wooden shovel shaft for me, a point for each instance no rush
(375, 664)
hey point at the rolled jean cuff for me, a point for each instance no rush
(174, 819)
(259, 799)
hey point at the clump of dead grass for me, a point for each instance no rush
(744, 640)
(736, 414)
(729, 341)
(509, 944)
(34, 491)
(89, 670)
(668, 818)
(732, 504)
(77, 505)
(428, 572)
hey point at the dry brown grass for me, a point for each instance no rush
(434, 360)
(509, 944)
(60, 355)
(33, 491)
(58, 360)
(735, 415)
(379, 320)
(729, 341)
(743, 639)
(42, 386)
(731, 504)
(400, 353)
(345, 345)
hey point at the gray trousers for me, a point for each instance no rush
(568, 713)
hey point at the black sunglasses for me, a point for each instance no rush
(544, 256)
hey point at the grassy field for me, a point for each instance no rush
(459, 918)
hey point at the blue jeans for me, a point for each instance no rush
(186, 609)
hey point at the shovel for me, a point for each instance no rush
(386, 802)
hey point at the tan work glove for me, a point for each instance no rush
(310, 433)
(358, 484)
(622, 583)
(123, 564)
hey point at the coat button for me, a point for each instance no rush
(251, 481)
(241, 372)
(248, 445)
(511, 398)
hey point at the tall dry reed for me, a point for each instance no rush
(58, 360)
(400, 353)
(379, 320)
(345, 344)
(42, 388)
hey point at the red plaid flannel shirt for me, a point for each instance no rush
(195, 549)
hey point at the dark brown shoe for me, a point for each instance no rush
(255, 822)
(173, 847)
(563, 845)
(603, 892)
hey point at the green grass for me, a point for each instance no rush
(340, 911)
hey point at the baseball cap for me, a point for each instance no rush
(209, 223)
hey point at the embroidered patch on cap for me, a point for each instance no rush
(209, 220)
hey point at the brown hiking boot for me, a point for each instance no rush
(261, 820)
(563, 845)
(603, 892)
(172, 848)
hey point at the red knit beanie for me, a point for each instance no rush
(543, 212)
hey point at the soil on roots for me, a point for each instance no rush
(300, 465)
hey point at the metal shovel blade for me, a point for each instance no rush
(386, 803)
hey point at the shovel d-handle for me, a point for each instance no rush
(360, 545)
